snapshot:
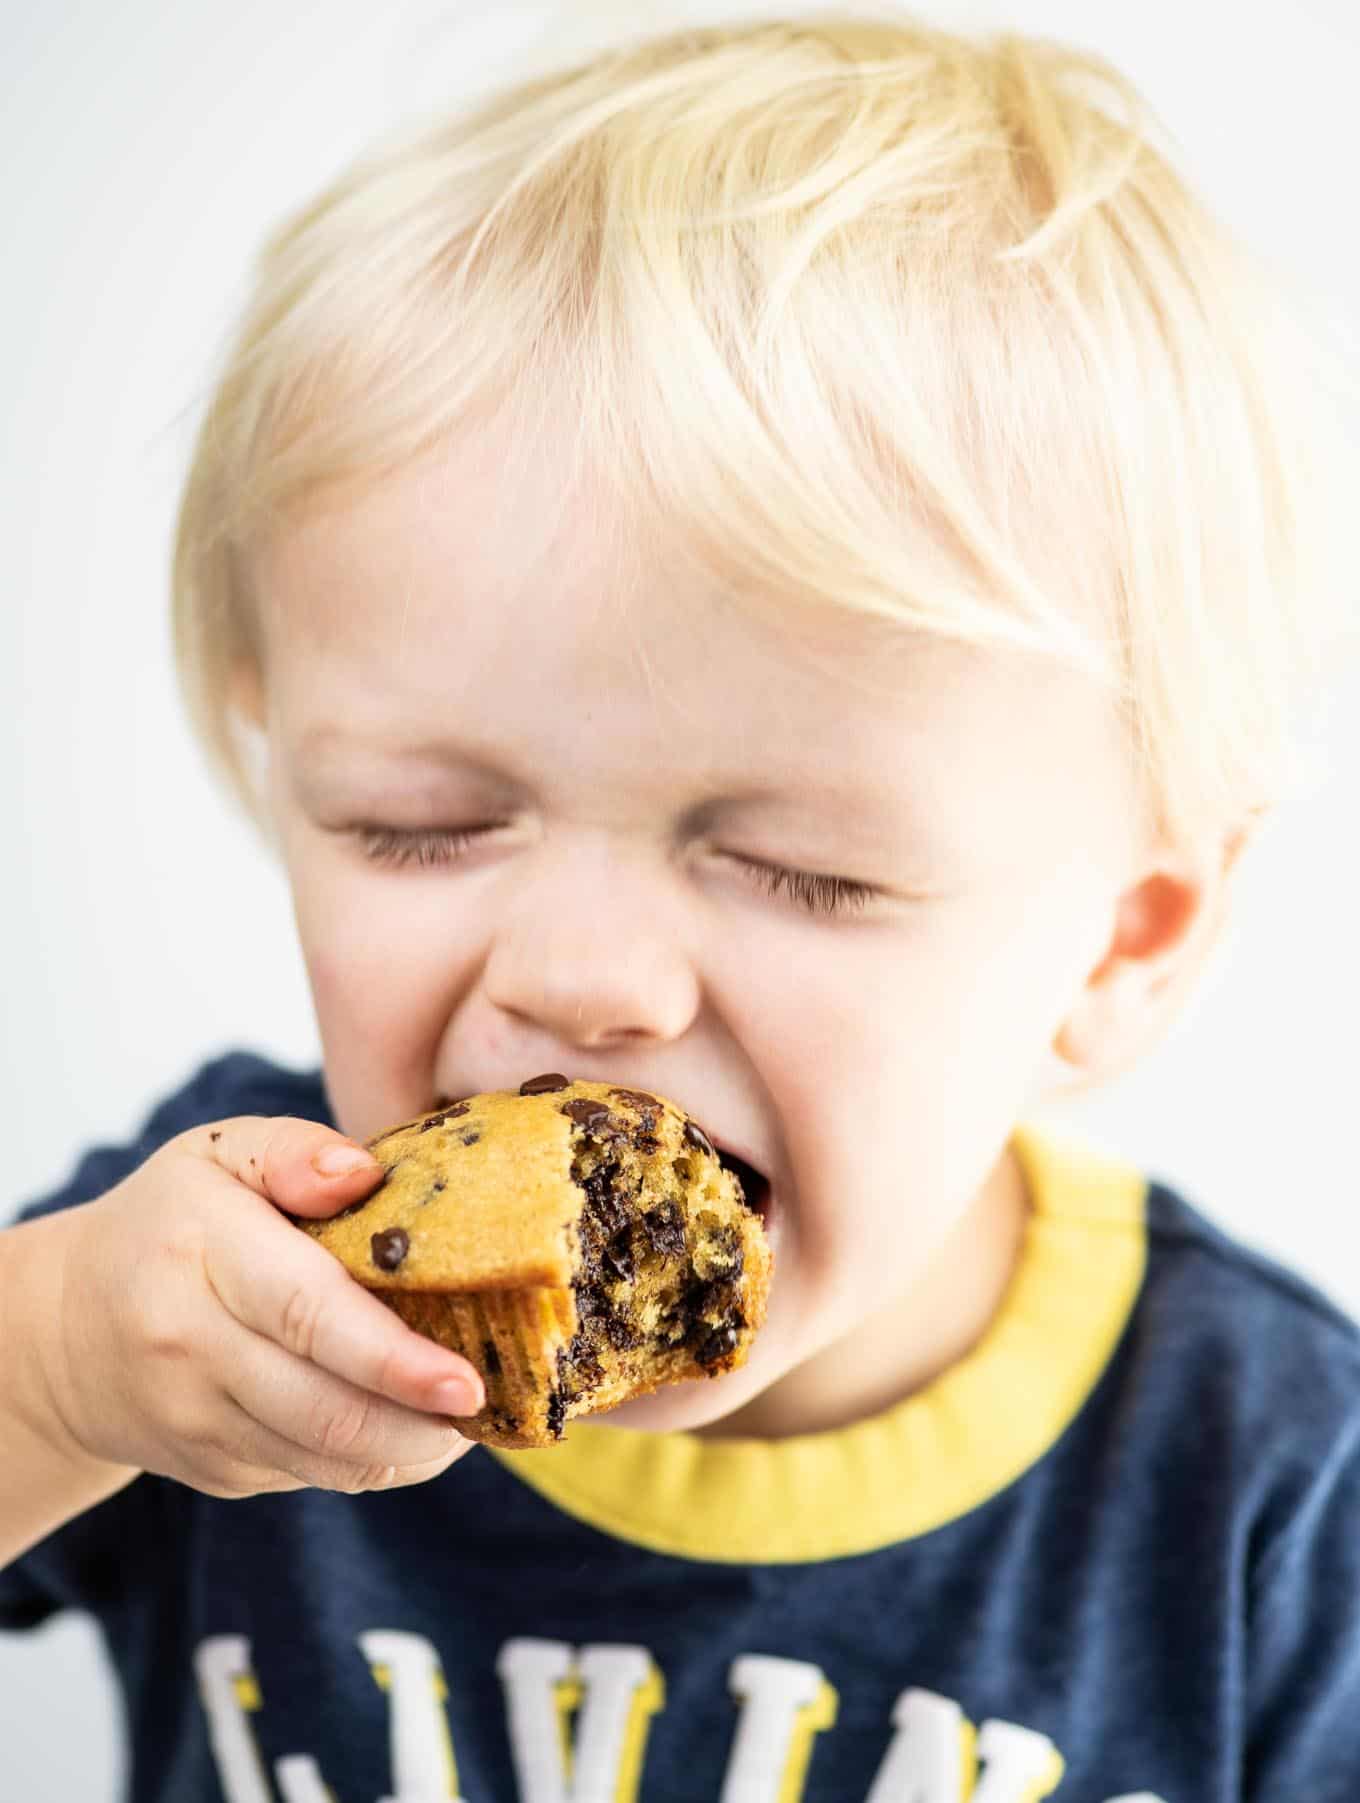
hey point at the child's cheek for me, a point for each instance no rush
(332, 979)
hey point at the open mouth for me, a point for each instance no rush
(754, 1185)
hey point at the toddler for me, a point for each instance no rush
(768, 566)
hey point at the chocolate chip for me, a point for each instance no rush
(647, 1104)
(447, 1114)
(715, 1299)
(620, 1334)
(470, 1139)
(590, 1300)
(618, 1255)
(214, 1137)
(696, 1137)
(389, 1248)
(578, 1369)
(557, 1409)
(719, 1343)
(666, 1230)
(587, 1113)
(545, 1085)
(439, 1184)
(608, 1210)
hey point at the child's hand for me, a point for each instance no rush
(201, 1335)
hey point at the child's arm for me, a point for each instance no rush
(45, 1477)
(179, 1324)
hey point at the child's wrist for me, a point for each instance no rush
(37, 1299)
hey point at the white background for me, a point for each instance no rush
(144, 149)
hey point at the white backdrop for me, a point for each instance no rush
(144, 149)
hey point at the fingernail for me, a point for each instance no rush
(342, 1161)
(456, 1396)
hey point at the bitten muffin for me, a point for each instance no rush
(577, 1242)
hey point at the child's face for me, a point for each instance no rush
(629, 756)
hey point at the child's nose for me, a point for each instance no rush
(586, 955)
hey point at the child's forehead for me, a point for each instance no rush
(462, 550)
(408, 616)
(406, 658)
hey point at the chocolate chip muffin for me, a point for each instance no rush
(578, 1243)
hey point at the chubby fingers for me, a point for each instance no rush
(277, 1281)
(301, 1166)
(289, 1415)
(246, 1457)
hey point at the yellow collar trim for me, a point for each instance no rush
(927, 1460)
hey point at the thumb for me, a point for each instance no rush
(300, 1166)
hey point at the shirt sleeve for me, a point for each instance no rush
(1304, 1659)
(92, 1560)
(236, 1083)
(99, 1559)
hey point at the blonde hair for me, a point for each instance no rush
(853, 310)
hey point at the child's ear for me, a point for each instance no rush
(1166, 925)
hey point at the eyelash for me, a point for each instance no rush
(828, 895)
(390, 846)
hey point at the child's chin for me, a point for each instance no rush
(676, 1408)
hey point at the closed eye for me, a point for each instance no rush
(427, 846)
(431, 847)
(818, 894)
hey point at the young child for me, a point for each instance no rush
(769, 568)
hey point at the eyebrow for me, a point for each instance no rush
(319, 746)
(317, 750)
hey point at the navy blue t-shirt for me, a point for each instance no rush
(1114, 1553)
